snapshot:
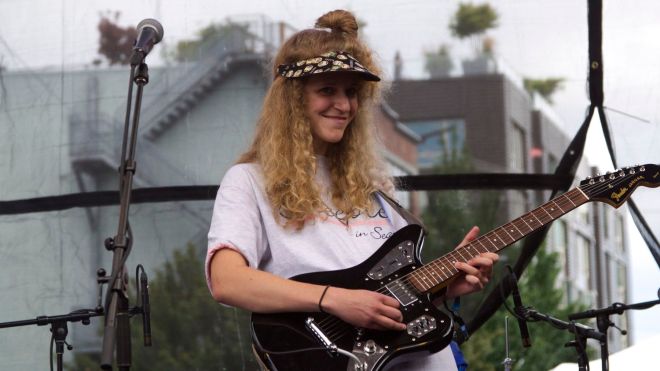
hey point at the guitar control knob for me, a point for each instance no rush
(370, 347)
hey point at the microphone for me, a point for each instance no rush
(146, 311)
(150, 32)
(519, 309)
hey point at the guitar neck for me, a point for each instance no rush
(439, 271)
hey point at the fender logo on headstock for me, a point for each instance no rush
(617, 195)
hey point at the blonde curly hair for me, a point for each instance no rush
(282, 145)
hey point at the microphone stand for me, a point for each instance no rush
(581, 332)
(603, 322)
(508, 361)
(58, 328)
(58, 324)
(117, 327)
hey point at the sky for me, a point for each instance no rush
(539, 39)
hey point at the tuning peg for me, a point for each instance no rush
(632, 171)
(622, 173)
(642, 168)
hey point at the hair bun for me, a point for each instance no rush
(339, 21)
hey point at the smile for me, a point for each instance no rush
(339, 118)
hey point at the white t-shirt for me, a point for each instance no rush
(243, 221)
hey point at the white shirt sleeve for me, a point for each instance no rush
(236, 222)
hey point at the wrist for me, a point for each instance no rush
(323, 294)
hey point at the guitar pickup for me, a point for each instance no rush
(401, 292)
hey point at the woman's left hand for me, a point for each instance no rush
(476, 271)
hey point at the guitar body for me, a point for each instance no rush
(429, 330)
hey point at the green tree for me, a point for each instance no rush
(190, 331)
(485, 349)
(471, 21)
(450, 214)
(545, 87)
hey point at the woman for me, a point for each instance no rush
(302, 198)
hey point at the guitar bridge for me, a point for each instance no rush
(320, 336)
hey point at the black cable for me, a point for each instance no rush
(291, 351)
(52, 341)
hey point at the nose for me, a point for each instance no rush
(342, 101)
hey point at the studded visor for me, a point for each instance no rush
(337, 61)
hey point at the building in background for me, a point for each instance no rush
(488, 115)
(196, 119)
(66, 129)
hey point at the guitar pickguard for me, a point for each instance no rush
(400, 256)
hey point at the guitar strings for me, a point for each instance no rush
(568, 206)
(333, 325)
(330, 324)
(560, 201)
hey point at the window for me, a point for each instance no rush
(559, 244)
(582, 264)
(517, 153)
(619, 233)
(583, 213)
(552, 163)
(621, 279)
(441, 140)
(607, 217)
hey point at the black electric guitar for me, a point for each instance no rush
(319, 341)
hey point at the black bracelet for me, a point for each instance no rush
(321, 299)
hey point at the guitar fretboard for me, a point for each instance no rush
(442, 269)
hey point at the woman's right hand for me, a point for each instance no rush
(363, 308)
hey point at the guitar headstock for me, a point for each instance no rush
(615, 188)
